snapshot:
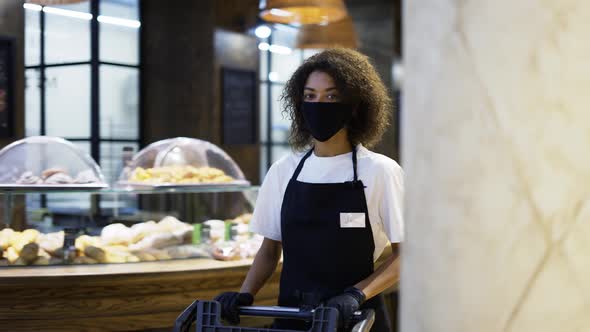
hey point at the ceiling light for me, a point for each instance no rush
(119, 21)
(69, 13)
(262, 32)
(302, 11)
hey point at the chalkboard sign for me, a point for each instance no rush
(238, 106)
(6, 87)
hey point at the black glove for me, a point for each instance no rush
(346, 303)
(230, 301)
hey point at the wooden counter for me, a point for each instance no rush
(116, 297)
(103, 297)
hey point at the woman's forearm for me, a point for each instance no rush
(264, 265)
(384, 277)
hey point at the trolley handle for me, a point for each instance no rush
(361, 321)
(276, 312)
(288, 312)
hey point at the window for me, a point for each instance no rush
(82, 79)
(278, 61)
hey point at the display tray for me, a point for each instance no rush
(145, 185)
(56, 187)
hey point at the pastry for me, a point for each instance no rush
(115, 258)
(118, 254)
(51, 242)
(170, 224)
(179, 174)
(144, 229)
(11, 254)
(29, 253)
(59, 178)
(85, 177)
(145, 256)
(132, 259)
(5, 236)
(159, 254)
(84, 241)
(156, 241)
(58, 254)
(29, 178)
(95, 253)
(51, 171)
(116, 234)
(19, 239)
(30, 235)
(43, 253)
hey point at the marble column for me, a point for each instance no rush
(496, 150)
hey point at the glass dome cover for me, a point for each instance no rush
(48, 162)
(182, 161)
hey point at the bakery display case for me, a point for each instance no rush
(174, 228)
(178, 198)
(181, 162)
(43, 162)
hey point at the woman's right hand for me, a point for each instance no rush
(230, 301)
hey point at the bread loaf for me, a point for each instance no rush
(144, 256)
(51, 242)
(116, 234)
(29, 253)
(5, 236)
(156, 241)
(95, 253)
(11, 254)
(84, 241)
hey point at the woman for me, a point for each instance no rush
(333, 208)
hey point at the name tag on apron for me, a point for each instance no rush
(352, 220)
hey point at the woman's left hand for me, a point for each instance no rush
(346, 303)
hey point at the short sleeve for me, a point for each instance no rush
(266, 219)
(391, 203)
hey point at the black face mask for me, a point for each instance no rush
(324, 120)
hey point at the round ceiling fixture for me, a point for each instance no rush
(302, 11)
(336, 34)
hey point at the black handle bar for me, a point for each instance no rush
(361, 321)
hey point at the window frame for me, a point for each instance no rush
(267, 143)
(95, 63)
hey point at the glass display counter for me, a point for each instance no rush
(178, 198)
(174, 228)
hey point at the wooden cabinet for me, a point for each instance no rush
(115, 297)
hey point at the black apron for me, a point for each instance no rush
(321, 258)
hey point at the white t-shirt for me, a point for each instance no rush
(384, 190)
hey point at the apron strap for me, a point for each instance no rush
(300, 166)
(354, 163)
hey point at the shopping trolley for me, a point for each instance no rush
(205, 316)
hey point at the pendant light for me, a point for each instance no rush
(302, 11)
(335, 34)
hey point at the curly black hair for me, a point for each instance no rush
(359, 84)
